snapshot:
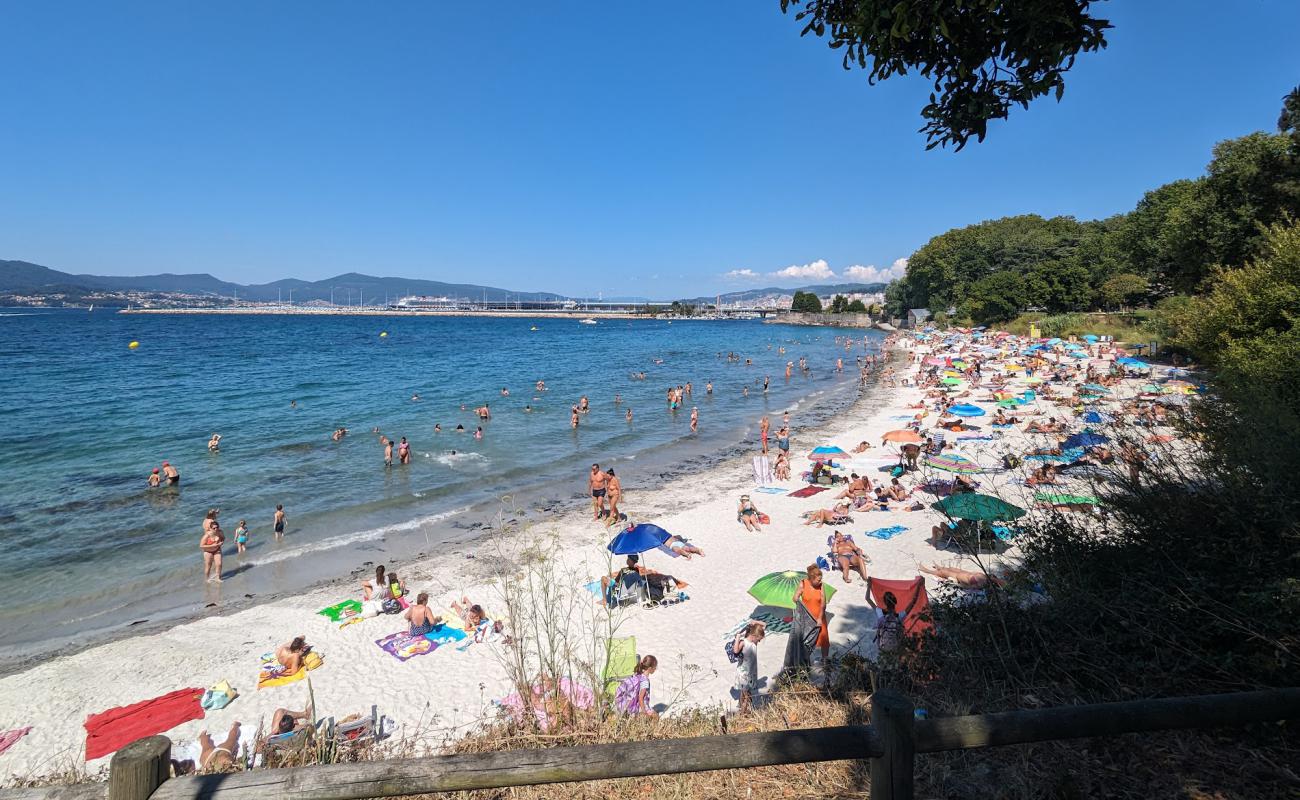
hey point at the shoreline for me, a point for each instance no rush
(575, 314)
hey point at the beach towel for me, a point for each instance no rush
(9, 738)
(108, 731)
(917, 620)
(270, 673)
(804, 632)
(974, 438)
(403, 646)
(762, 470)
(342, 612)
(807, 491)
(885, 534)
(770, 490)
(776, 623)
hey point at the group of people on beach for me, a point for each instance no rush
(213, 540)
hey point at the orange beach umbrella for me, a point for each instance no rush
(902, 436)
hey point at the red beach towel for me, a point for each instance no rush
(807, 491)
(904, 591)
(9, 738)
(108, 731)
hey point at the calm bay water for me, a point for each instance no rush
(86, 547)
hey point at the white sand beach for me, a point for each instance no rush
(447, 692)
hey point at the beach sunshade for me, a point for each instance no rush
(966, 410)
(980, 507)
(639, 539)
(950, 382)
(952, 373)
(1084, 440)
(952, 462)
(1052, 341)
(902, 436)
(1090, 337)
(1078, 354)
(778, 588)
(1132, 362)
(827, 454)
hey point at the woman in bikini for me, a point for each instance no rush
(613, 493)
(747, 515)
(290, 655)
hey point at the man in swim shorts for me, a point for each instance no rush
(279, 520)
(173, 477)
(596, 483)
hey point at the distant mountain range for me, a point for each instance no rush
(21, 277)
(24, 278)
(823, 290)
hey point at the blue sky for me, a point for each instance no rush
(623, 148)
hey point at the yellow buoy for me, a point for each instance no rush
(383, 335)
(133, 345)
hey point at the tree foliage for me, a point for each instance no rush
(982, 56)
(1123, 289)
(856, 307)
(806, 302)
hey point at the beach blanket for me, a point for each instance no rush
(270, 673)
(342, 612)
(776, 623)
(1008, 425)
(9, 738)
(885, 534)
(974, 438)
(770, 490)
(403, 646)
(108, 731)
(807, 491)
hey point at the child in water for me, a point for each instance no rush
(241, 536)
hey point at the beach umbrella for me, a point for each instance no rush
(952, 462)
(980, 507)
(1011, 402)
(1096, 417)
(1052, 341)
(902, 436)
(1084, 440)
(638, 539)
(1132, 362)
(950, 382)
(827, 454)
(966, 410)
(778, 588)
(1078, 354)
(1090, 337)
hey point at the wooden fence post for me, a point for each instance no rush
(139, 768)
(891, 774)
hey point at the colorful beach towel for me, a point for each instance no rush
(885, 534)
(770, 490)
(9, 738)
(403, 646)
(974, 438)
(271, 673)
(342, 612)
(807, 491)
(776, 623)
(108, 731)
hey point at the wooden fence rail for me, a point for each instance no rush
(138, 771)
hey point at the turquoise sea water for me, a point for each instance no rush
(88, 547)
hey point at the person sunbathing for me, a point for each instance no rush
(848, 556)
(862, 447)
(421, 618)
(471, 614)
(291, 655)
(839, 514)
(1001, 418)
(858, 487)
(965, 578)
(212, 757)
(1043, 476)
(896, 490)
(1051, 426)
(682, 547)
(748, 515)
(963, 485)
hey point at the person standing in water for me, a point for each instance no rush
(404, 452)
(279, 522)
(629, 416)
(173, 477)
(210, 546)
(708, 387)
(241, 537)
(573, 417)
(596, 484)
(388, 453)
(766, 380)
(155, 479)
(695, 419)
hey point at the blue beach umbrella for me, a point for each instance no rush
(1132, 362)
(966, 410)
(1096, 417)
(1053, 341)
(1090, 337)
(639, 539)
(827, 454)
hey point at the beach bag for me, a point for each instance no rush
(897, 471)
(219, 696)
(889, 632)
(1011, 461)
(732, 656)
(391, 606)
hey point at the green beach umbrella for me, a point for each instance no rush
(979, 507)
(778, 588)
(950, 381)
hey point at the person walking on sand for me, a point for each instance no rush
(388, 452)
(279, 523)
(695, 419)
(210, 546)
(614, 492)
(746, 648)
(596, 483)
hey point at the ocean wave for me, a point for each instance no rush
(353, 538)
(459, 459)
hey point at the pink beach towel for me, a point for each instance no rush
(9, 738)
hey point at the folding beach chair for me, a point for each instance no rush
(629, 588)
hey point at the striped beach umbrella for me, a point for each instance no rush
(827, 454)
